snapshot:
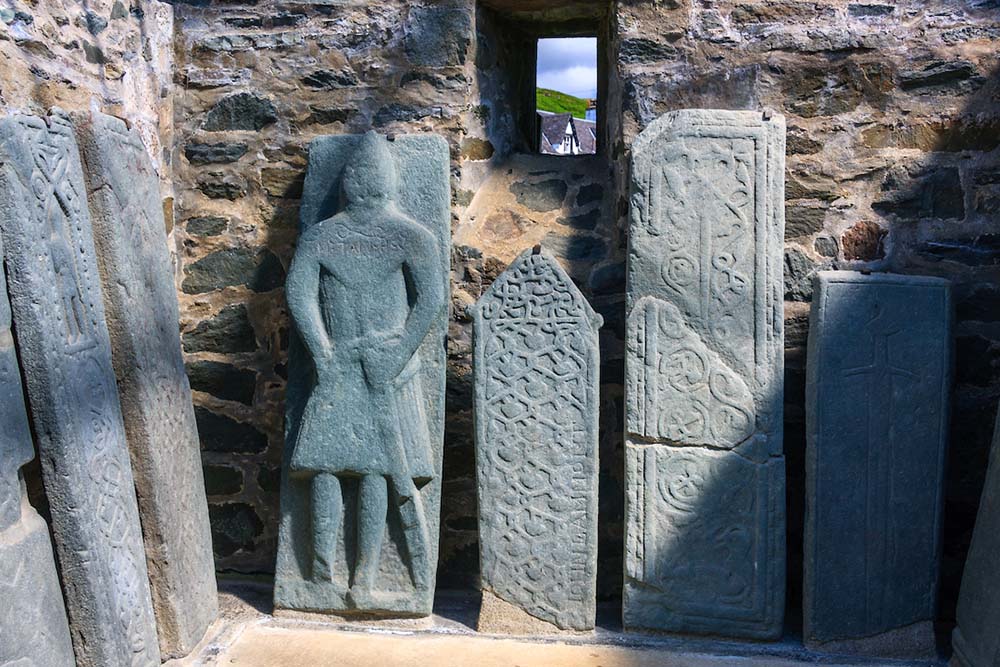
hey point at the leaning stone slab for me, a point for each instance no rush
(368, 294)
(705, 476)
(878, 377)
(63, 343)
(536, 364)
(976, 638)
(33, 626)
(141, 306)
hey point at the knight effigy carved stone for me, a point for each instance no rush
(878, 377)
(368, 294)
(65, 352)
(975, 638)
(141, 305)
(536, 365)
(33, 625)
(705, 480)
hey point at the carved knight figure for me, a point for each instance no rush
(363, 291)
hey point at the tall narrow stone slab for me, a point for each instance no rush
(63, 343)
(536, 364)
(976, 638)
(33, 626)
(878, 377)
(141, 305)
(705, 477)
(368, 294)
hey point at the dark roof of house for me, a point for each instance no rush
(553, 127)
(586, 134)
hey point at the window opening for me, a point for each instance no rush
(566, 95)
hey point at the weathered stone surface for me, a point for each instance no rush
(141, 305)
(242, 111)
(364, 410)
(33, 624)
(536, 364)
(64, 347)
(975, 638)
(229, 331)
(705, 492)
(878, 378)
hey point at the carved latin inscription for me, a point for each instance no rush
(536, 376)
(705, 476)
(63, 341)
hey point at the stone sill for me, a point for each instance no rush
(249, 634)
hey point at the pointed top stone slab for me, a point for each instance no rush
(704, 478)
(63, 343)
(536, 364)
(141, 305)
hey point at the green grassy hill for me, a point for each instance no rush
(556, 102)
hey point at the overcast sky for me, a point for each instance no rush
(569, 65)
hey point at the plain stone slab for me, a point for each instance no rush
(878, 378)
(33, 625)
(65, 353)
(142, 315)
(536, 365)
(365, 423)
(705, 476)
(976, 638)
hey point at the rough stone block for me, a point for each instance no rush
(878, 376)
(536, 364)
(65, 351)
(975, 639)
(368, 293)
(705, 485)
(33, 625)
(141, 305)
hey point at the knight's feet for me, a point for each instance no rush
(322, 570)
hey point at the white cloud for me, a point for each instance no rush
(568, 65)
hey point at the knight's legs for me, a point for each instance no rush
(411, 512)
(327, 507)
(373, 505)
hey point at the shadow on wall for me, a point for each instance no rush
(942, 214)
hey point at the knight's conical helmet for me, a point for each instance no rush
(370, 174)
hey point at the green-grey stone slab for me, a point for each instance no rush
(536, 365)
(705, 475)
(65, 353)
(878, 377)
(976, 638)
(33, 625)
(142, 315)
(339, 417)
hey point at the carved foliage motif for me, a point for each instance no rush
(536, 405)
(684, 392)
(56, 300)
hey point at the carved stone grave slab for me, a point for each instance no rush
(536, 364)
(705, 480)
(64, 348)
(878, 376)
(975, 639)
(368, 294)
(33, 626)
(141, 306)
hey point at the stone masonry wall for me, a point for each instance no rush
(893, 164)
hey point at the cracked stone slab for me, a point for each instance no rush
(65, 353)
(536, 364)
(141, 304)
(878, 378)
(705, 481)
(33, 621)
(975, 639)
(367, 291)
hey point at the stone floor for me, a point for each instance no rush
(248, 634)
